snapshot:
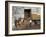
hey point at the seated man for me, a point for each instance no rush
(23, 23)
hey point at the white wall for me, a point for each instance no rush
(2, 17)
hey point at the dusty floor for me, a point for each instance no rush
(30, 28)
